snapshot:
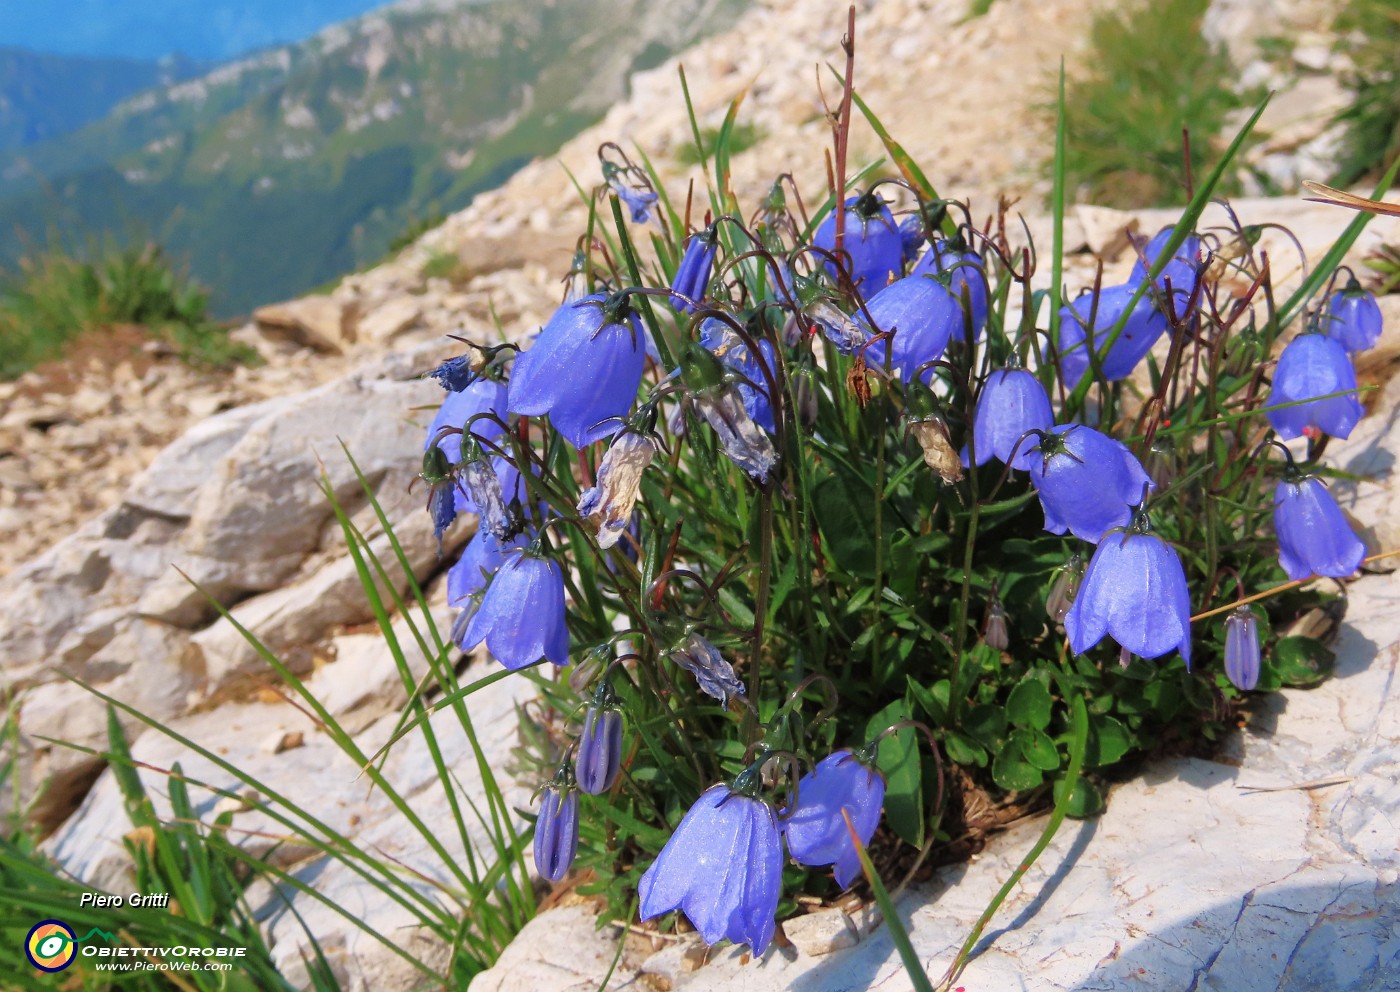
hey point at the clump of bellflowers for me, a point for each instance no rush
(838, 450)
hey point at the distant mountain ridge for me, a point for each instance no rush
(280, 171)
(43, 96)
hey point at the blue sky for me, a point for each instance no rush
(204, 29)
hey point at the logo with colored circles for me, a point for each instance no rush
(51, 946)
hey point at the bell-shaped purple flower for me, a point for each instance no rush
(871, 240)
(722, 868)
(1182, 271)
(922, 316)
(1311, 366)
(457, 410)
(1242, 649)
(583, 370)
(1011, 403)
(1084, 325)
(479, 561)
(556, 832)
(816, 831)
(1353, 318)
(521, 617)
(1087, 481)
(1314, 537)
(702, 659)
(1134, 591)
(965, 274)
(599, 754)
(693, 273)
(724, 343)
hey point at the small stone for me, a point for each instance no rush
(280, 742)
(821, 933)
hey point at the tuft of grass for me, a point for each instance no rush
(55, 296)
(740, 137)
(1369, 30)
(1150, 74)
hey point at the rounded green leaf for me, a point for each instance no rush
(1029, 704)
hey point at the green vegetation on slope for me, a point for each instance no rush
(1370, 32)
(279, 173)
(1148, 74)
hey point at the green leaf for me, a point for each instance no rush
(963, 750)
(1085, 801)
(842, 504)
(1029, 704)
(1109, 740)
(1302, 661)
(898, 760)
(1014, 773)
(1037, 748)
(987, 725)
(933, 699)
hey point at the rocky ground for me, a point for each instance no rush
(122, 463)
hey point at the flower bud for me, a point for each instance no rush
(600, 744)
(1064, 588)
(1242, 649)
(556, 832)
(994, 634)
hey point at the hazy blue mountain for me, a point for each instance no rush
(278, 172)
(149, 29)
(42, 96)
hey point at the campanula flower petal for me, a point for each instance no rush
(1353, 318)
(1088, 486)
(722, 868)
(692, 279)
(458, 408)
(1242, 649)
(1314, 365)
(599, 754)
(1314, 537)
(816, 831)
(556, 833)
(922, 316)
(582, 371)
(1182, 271)
(1012, 402)
(702, 659)
(1134, 591)
(965, 271)
(1083, 323)
(871, 239)
(740, 438)
(521, 617)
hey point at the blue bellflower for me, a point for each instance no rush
(1182, 271)
(599, 756)
(556, 831)
(1314, 537)
(692, 280)
(1012, 402)
(1242, 648)
(583, 370)
(1134, 591)
(1314, 365)
(965, 272)
(723, 868)
(1145, 325)
(911, 236)
(1353, 318)
(479, 561)
(871, 240)
(1087, 481)
(923, 317)
(459, 407)
(816, 831)
(521, 617)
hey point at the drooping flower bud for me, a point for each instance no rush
(619, 480)
(937, 447)
(1353, 318)
(1064, 588)
(556, 830)
(693, 273)
(599, 754)
(994, 634)
(1242, 649)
